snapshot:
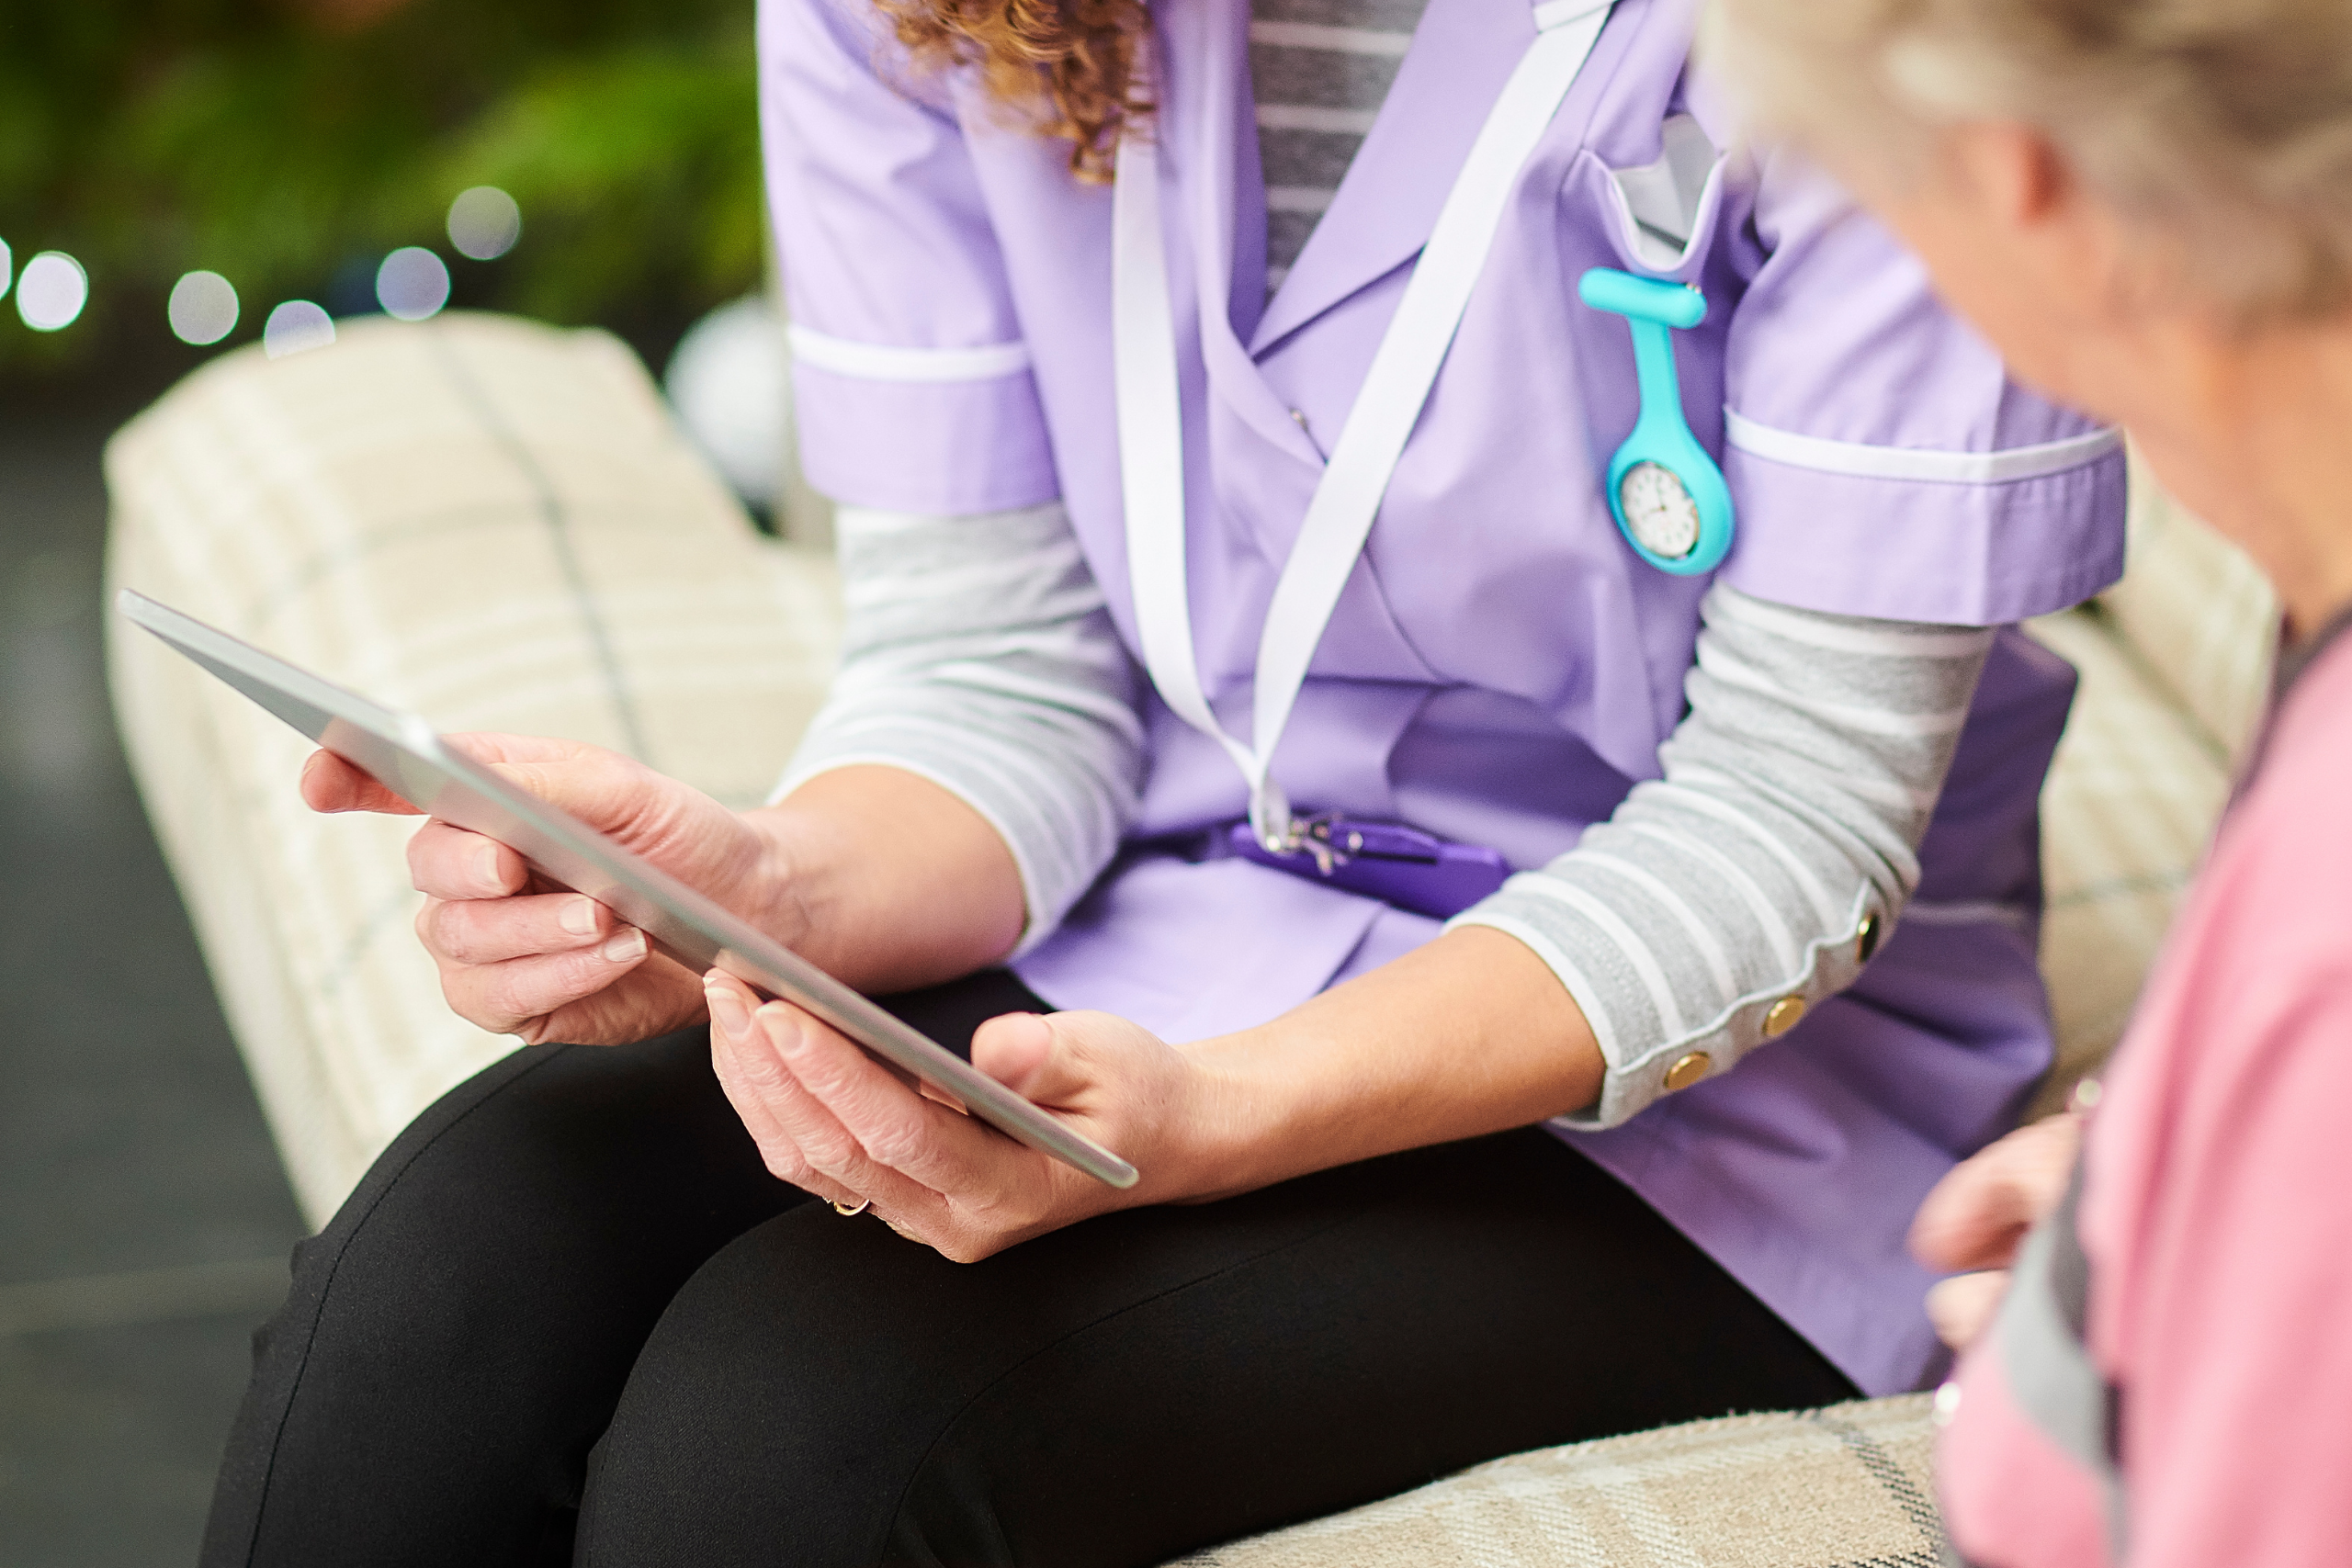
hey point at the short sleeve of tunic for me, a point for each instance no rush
(1879, 459)
(912, 386)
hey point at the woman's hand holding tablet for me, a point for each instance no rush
(1466, 1035)
(831, 1120)
(842, 875)
(850, 868)
(520, 955)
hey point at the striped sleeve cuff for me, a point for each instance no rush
(1722, 902)
(978, 654)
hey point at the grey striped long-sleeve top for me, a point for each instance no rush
(1795, 793)
(1319, 71)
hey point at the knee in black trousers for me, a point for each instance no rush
(1152, 1381)
(579, 1248)
(454, 1340)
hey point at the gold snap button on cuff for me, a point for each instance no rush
(1866, 939)
(1783, 1017)
(1686, 1071)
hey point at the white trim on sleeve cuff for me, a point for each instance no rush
(882, 362)
(1559, 12)
(1916, 463)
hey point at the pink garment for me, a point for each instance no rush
(2216, 1216)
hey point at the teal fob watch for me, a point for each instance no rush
(1667, 495)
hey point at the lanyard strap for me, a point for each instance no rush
(1348, 497)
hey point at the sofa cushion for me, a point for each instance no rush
(1847, 1485)
(2175, 667)
(2197, 617)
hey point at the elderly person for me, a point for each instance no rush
(2148, 205)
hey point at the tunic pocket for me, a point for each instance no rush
(1657, 216)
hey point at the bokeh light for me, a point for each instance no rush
(484, 222)
(51, 292)
(296, 327)
(7, 263)
(412, 284)
(730, 380)
(203, 308)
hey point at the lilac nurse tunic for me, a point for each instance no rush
(1501, 668)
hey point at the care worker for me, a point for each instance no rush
(1452, 610)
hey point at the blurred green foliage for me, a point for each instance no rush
(277, 140)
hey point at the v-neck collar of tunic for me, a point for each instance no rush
(1387, 204)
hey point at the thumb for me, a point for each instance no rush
(332, 783)
(1055, 1059)
(1014, 1049)
(1961, 1305)
(614, 793)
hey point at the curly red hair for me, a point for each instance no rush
(1070, 63)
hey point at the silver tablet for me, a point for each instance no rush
(404, 754)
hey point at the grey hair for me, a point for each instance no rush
(2221, 127)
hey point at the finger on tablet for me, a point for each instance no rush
(752, 1085)
(329, 785)
(834, 1148)
(448, 861)
(890, 1126)
(604, 789)
(810, 1147)
(496, 746)
(503, 996)
(490, 931)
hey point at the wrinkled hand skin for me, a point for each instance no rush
(519, 955)
(830, 1120)
(1973, 1220)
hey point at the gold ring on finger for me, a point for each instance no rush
(857, 1208)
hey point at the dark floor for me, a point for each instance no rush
(143, 1218)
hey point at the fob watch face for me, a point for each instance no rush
(1659, 513)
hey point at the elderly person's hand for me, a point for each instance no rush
(831, 1120)
(1976, 1217)
(520, 955)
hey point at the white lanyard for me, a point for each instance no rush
(1348, 497)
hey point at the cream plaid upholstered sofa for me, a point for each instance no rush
(496, 524)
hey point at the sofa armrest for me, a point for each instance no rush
(2198, 614)
(489, 522)
(2174, 662)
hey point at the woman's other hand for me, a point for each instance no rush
(520, 955)
(1468, 1035)
(1976, 1217)
(832, 1121)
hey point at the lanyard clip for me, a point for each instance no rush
(1270, 822)
(1314, 837)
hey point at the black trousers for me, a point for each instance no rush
(568, 1317)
